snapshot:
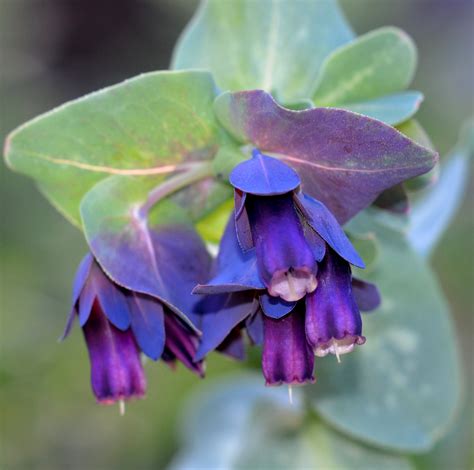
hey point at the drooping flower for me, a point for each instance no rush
(119, 325)
(283, 273)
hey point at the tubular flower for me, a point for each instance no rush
(119, 325)
(283, 273)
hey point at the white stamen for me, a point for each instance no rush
(291, 286)
(290, 394)
(121, 407)
(336, 350)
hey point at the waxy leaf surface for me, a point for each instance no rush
(267, 432)
(142, 126)
(165, 261)
(402, 388)
(343, 159)
(432, 213)
(391, 109)
(378, 63)
(275, 45)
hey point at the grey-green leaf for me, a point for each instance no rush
(378, 63)
(401, 389)
(432, 213)
(391, 109)
(143, 126)
(275, 45)
(240, 424)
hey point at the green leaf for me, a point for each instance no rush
(143, 126)
(391, 109)
(266, 433)
(275, 45)
(402, 388)
(378, 63)
(432, 213)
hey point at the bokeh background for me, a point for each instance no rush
(52, 51)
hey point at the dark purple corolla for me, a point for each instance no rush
(283, 272)
(118, 326)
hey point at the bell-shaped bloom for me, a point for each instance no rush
(116, 369)
(118, 326)
(283, 273)
(333, 323)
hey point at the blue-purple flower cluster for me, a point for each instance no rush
(282, 275)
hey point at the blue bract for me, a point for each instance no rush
(287, 250)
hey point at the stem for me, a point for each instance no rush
(198, 172)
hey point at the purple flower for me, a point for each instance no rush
(118, 326)
(283, 273)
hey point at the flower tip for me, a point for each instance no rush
(338, 347)
(292, 285)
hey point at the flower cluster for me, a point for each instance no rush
(282, 274)
(286, 251)
(119, 325)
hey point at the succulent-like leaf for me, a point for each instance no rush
(378, 63)
(402, 388)
(343, 159)
(143, 126)
(391, 109)
(434, 210)
(275, 45)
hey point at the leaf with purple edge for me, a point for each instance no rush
(148, 324)
(165, 261)
(344, 160)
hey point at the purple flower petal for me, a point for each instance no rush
(326, 225)
(275, 307)
(333, 322)
(366, 295)
(236, 270)
(112, 300)
(233, 345)
(343, 159)
(69, 324)
(315, 242)
(87, 298)
(182, 343)
(264, 176)
(116, 369)
(219, 316)
(285, 261)
(148, 324)
(254, 326)
(242, 224)
(81, 276)
(287, 358)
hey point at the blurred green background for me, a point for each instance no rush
(55, 50)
